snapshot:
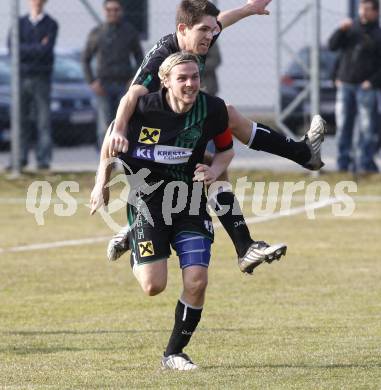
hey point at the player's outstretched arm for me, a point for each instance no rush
(209, 174)
(252, 7)
(117, 139)
(100, 194)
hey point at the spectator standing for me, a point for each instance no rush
(209, 78)
(379, 120)
(113, 44)
(38, 33)
(358, 77)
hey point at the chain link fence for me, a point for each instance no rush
(247, 74)
(296, 46)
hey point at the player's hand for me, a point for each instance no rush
(97, 88)
(118, 143)
(346, 24)
(204, 173)
(258, 7)
(45, 40)
(366, 85)
(100, 195)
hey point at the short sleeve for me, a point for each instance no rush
(141, 106)
(222, 135)
(147, 74)
(221, 114)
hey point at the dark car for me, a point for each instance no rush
(5, 102)
(72, 108)
(295, 79)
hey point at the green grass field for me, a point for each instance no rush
(71, 320)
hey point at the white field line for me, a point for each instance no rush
(288, 213)
(57, 244)
(44, 201)
(298, 198)
(252, 220)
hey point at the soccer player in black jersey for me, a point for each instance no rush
(199, 24)
(168, 134)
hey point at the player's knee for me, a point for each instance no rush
(152, 289)
(196, 287)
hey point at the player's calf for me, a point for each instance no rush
(257, 136)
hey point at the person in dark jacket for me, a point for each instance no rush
(210, 80)
(114, 44)
(358, 77)
(38, 33)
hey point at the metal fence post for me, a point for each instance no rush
(91, 11)
(15, 86)
(312, 89)
(315, 58)
(353, 4)
(278, 62)
(315, 62)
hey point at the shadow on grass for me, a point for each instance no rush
(39, 350)
(143, 331)
(296, 366)
(81, 332)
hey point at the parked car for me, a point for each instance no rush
(5, 102)
(295, 79)
(72, 108)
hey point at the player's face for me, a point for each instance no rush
(367, 13)
(199, 37)
(183, 84)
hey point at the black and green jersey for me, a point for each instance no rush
(147, 74)
(170, 144)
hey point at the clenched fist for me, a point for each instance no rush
(258, 7)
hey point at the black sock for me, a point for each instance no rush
(234, 222)
(270, 141)
(186, 320)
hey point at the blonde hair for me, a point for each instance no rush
(170, 62)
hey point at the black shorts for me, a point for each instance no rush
(152, 243)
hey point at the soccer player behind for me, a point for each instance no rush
(199, 24)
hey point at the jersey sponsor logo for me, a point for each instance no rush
(144, 153)
(172, 154)
(146, 249)
(163, 154)
(149, 135)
